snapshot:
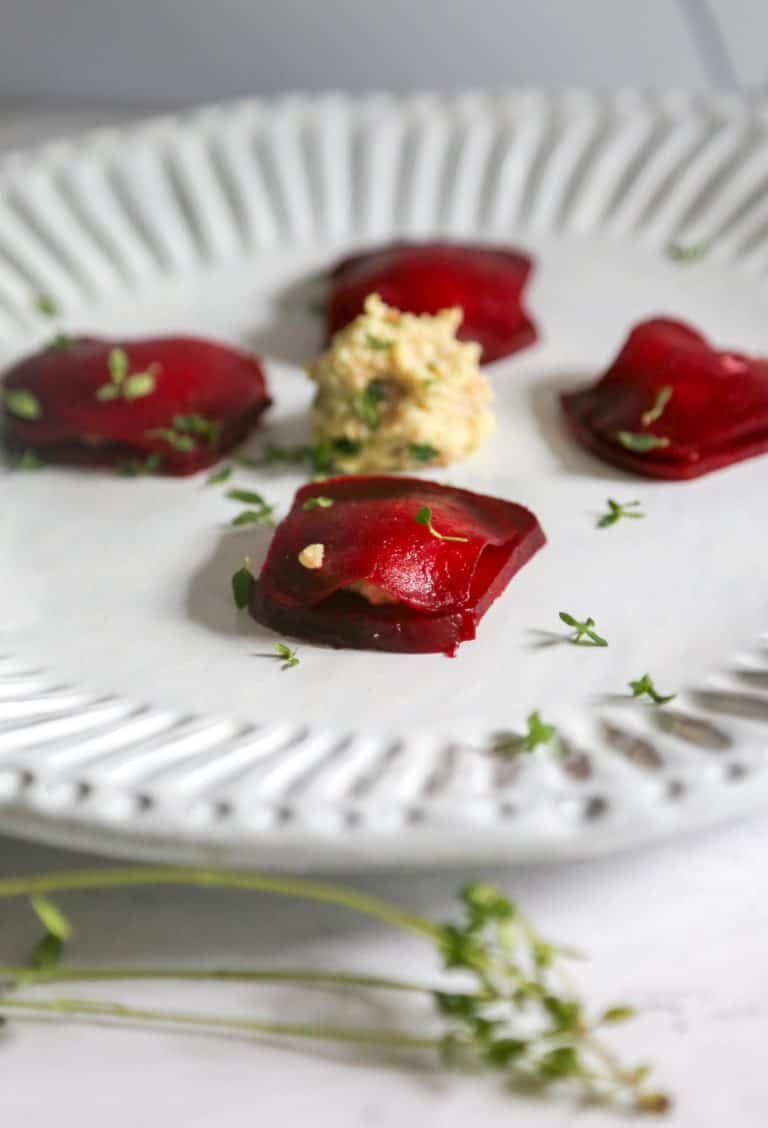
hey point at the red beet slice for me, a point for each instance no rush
(179, 401)
(711, 408)
(486, 282)
(370, 533)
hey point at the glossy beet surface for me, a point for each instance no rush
(486, 282)
(714, 405)
(370, 533)
(178, 401)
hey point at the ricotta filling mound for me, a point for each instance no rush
(398, 391)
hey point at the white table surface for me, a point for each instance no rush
(680, 930)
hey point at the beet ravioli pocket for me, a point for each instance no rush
(671, 406)
(386, 563)
(485, 282)
(171, 404)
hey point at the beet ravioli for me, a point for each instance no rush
(485, 282)
(671, 406)
(386, 563)
(171, 404)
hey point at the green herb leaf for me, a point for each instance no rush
(513, 743)
(29, 461)
(108, 392)
(184, 443)
(423, 452)
(616, 511)
(196, 424)
(561, 1062)
(21, 403)
(619, 1013)
(62, 341)
(644, 686)
(679, 252)
(317, 503)
(286, 655)
(242, 585)
(139, 385)
(424, 517)
(641, 444)
(261, 516)
(118, 365)
(248, 497)
(45, 304)
(48, 952)
(378, 343)
(52, 918)
(368, 402)
(345, 446)
(663, 396)
(137, 469)
(219, 476)
(584, 634)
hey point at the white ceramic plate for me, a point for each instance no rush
(139, 713)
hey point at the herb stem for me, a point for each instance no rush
(25, 976)
(390, 914)
(88, 1008)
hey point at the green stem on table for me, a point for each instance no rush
(26, 976)
(86, 1008)
(227, 879)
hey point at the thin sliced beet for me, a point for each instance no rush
(671, 406)
(178, 401)
(370, 535)
(486, 282)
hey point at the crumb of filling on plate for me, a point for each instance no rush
(398, 390)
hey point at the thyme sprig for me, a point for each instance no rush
(617, 510)
(512, 743)
(644, 687)
(512, 1014)
(584, 632)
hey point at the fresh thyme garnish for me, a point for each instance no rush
(644, 685)
(512, 1011)
(248, 497)
(262, 514)
(286, 655)
(511, 743)
(584, 633)
(62, 341)
(219, 476)
(184, 443)
(663, 396)
(138, 468)
(242, 584)
(186, 430)
(29, 460)
(122, 383)
(254, 516)
(618, 510)
(424, 517)
(380, 343)
(422, 452)
(21, 403)
(640, 444)
(679, 252)
(58, 930)
(45, 304)
(323, 454)
(195, 424)
(368, 402)
(317, 503)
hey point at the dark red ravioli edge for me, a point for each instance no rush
(345, 620)
(514, 340)
(651, 465)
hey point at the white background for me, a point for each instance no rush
(172, 51)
